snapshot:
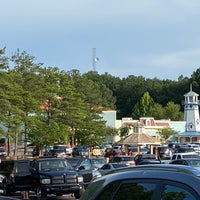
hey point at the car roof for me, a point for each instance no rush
(48, 158)
(180, 168)
(192, 158)
(178, 173)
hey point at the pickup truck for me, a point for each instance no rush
(15, 176)
(55, 176)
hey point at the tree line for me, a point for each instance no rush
(42, 105)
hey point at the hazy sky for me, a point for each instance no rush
(152, 38)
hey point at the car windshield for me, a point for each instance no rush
(73, 161)
(56, 164)
(98, 161)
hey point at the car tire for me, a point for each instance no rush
(78, 194)
(41, 194)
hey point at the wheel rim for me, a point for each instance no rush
(38, 193)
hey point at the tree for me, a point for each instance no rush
(124, 131)
(166, 133)
(158, 111)
(144, 106)
(172, 111)
(31, 88)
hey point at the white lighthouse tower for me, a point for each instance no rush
(191, 111)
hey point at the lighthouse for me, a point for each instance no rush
(191, 117)
(191, 111)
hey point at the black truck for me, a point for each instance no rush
(15, 176)
(55, 176)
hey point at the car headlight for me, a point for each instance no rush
(45, 181)
(79, 179)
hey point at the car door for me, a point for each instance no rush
(148, 190)
(85, 169)
(22, 174)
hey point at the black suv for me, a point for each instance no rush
(16, 176)
(55, 176)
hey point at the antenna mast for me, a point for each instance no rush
(94, 59)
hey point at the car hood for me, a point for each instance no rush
(58, 172)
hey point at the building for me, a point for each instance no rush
(188, 130)
(191, 117)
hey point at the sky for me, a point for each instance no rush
(149, 38)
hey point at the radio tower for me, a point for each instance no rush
(94, 59)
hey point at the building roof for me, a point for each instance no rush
(138, 138)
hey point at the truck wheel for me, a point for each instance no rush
(78, 194)
(40, 194)
(6, 191)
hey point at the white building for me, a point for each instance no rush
(191, 117)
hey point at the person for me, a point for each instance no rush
(25, 194)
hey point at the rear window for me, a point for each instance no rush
(121, 159)
(22, 167)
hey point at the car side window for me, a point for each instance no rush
(179, 157)
(128, 190)
(132, 190)
(173, 157)
(177, 193)
(106, 166)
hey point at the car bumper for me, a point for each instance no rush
(65, 189)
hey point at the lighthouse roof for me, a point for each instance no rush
(191, 93)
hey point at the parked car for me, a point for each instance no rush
(144, 157)
(66, 148)
(15, 176)
(86, 167)
(145, 182)
(98, 162)
(163, 151)
(193, 162)
(55, 176)
(97, 151)
(184, 150)
(109, 152)
(176, 156)
(107, 167)
(128, 160)
(59, 153)
(118, 150)
(81, 151)
(134, 150)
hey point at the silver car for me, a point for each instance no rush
(150, 182)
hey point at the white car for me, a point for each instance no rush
(184, 155)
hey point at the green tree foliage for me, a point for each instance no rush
(166, 133)
(158, 111)
(172, 111)
(144, 106)
(124, 131)
(40, 101)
